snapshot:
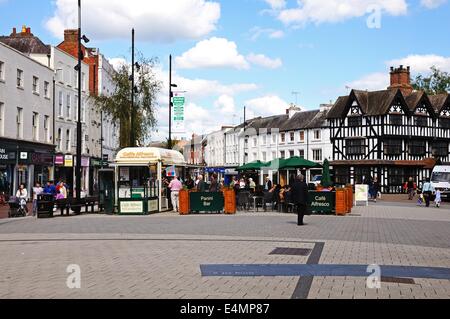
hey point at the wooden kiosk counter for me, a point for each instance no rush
(138, 179)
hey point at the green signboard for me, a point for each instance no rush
(322, 202)
(178, 114)
(207, 202)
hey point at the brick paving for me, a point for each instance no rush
(159, 256)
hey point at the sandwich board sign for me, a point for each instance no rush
(362, 195)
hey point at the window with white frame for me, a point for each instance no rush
(68, 106)
(317, 155)
(35, 126)
(68, 140)
(60, 103)
(255, 142)
(283, 137)
(83, 111)
(302, 137)
(2, 119)
(59, 139)
(291, 154)
(317, 135)
(292, 137)
(47, 128)
(19, 122)
(19, 78)
(35, 84)
(83, 82)
(46, 90)
(301, 153)
(2, 71)
(282, 154)
(264, 156)
(264, 139)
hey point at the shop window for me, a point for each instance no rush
(396, 177)
(356, 147)
(342, 175)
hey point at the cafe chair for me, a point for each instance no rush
(244, 200)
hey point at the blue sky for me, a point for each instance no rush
(263, 49)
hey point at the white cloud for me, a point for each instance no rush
(212, 53)
(276, 4)
(257, 32)
(117, 63)
(320, 11)
(371, 82)
(262, 60)
(422, 63)
(155, 20)
(225, 105)
(418, 63)
(432, 4)
(266, 106)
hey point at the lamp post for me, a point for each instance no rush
(79, 127)
(134, 90)
(171, 85)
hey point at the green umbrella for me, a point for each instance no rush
(326, 178)
(253, 166)
(297, 162)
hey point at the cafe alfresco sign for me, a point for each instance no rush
(322, 202)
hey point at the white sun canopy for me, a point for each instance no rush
(149, 155)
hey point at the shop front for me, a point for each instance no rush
(64, 170)
(24, 163)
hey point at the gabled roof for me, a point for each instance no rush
(26, 44)
(371, 103)
(338, 108)
(304, 120)
(439, 101)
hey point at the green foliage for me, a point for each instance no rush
(118, 105)
(437, 83)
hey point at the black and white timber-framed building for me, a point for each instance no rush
(392, 134)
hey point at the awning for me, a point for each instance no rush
(253, 166)
(149, 155)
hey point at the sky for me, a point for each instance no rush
(255, 53)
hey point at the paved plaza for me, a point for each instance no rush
(249, 255)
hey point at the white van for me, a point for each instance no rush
(440, 179)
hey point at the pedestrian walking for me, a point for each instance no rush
(438, 198)
(427, 190)
(375, 188)
(410, 187)
(299, 195)
(37, 190)
(175, 188)
(22, 195)
(268, 184)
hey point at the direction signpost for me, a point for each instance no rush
(178, 114)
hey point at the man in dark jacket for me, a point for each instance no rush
(200, 184)
(299, 193)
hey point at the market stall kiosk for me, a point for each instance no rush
(139, 174)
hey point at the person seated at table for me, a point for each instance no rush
(252, 185)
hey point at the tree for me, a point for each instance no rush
(118, 105)
(437, 83)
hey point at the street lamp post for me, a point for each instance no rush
(132, 138)
(171, 85)
(79, 127)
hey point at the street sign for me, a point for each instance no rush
(207, 202)
(178, 113)
(362, 195)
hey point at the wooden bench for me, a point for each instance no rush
(69, 204)
(92, 201)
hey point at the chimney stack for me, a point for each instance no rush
(401, 79)
(71, 35)
(14, 32)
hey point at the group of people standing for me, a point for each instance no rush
(59, 191)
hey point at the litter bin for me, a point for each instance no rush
(45, 205)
